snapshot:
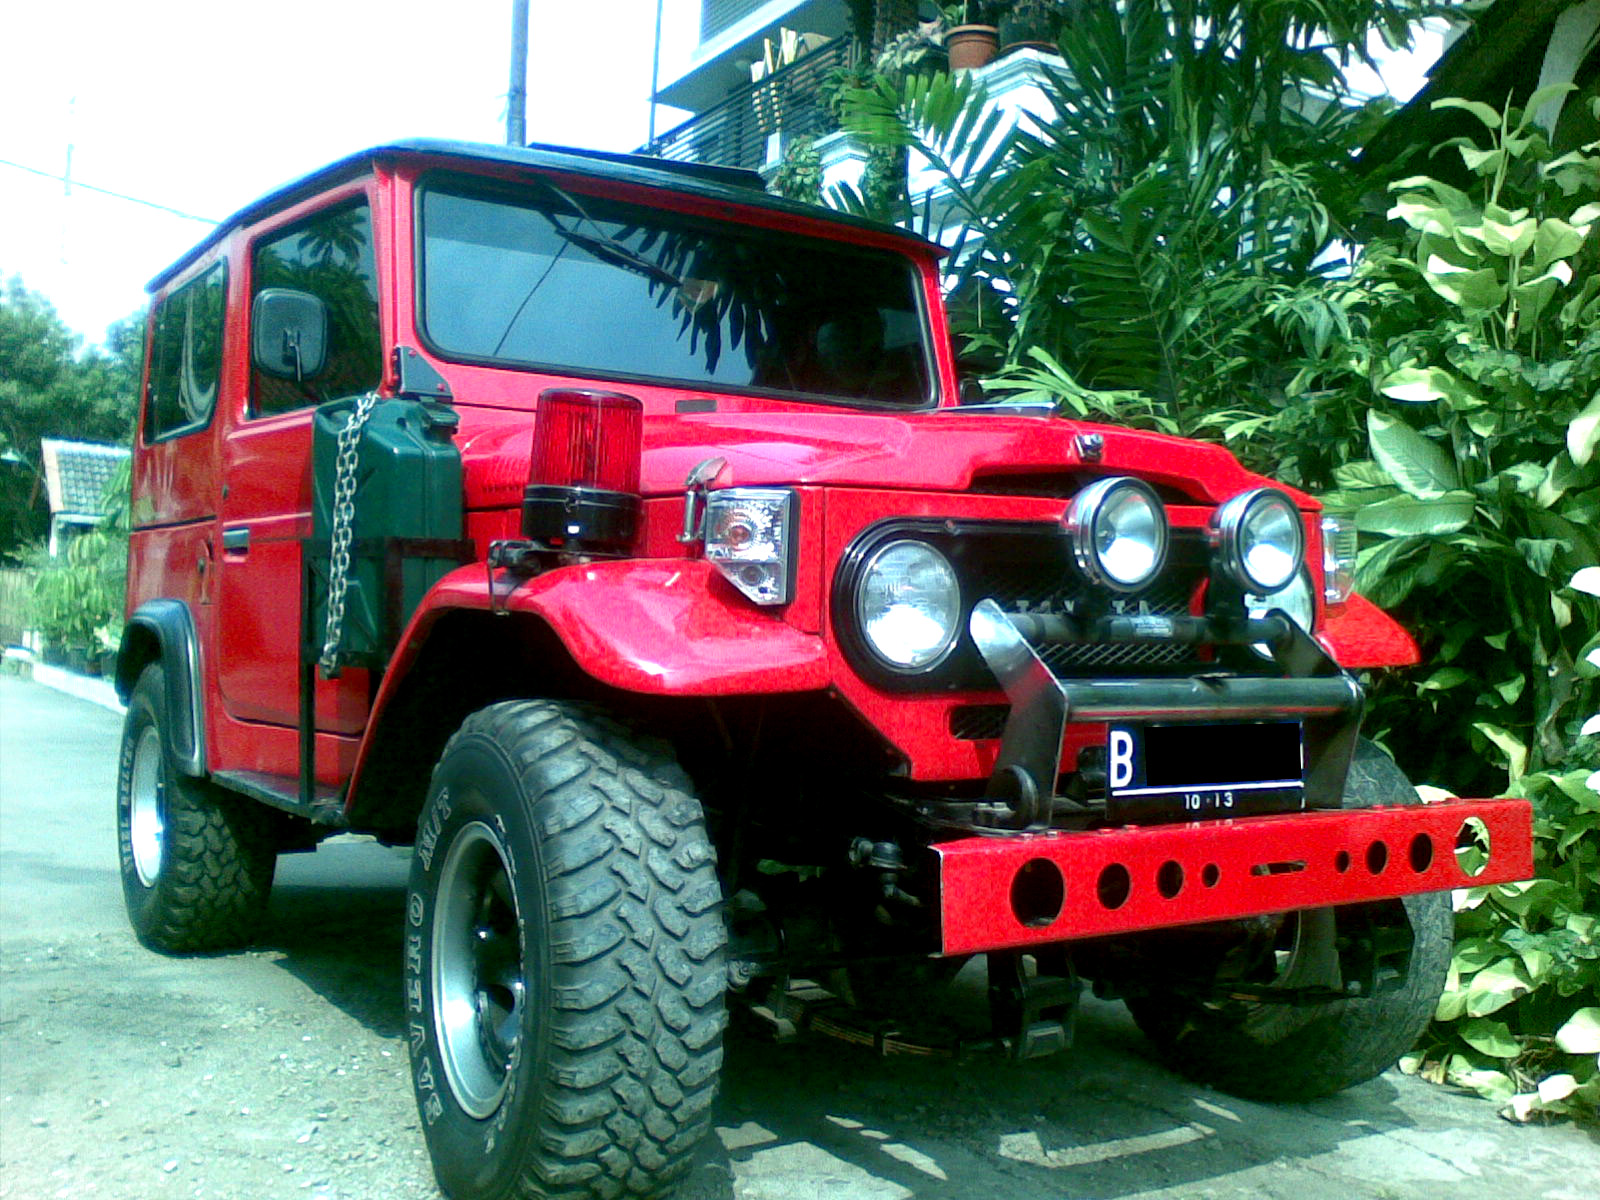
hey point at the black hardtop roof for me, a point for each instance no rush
(730, 184)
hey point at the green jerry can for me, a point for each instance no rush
(406, 528)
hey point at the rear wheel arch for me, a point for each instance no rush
(163, 631)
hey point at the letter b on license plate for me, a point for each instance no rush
(1189, 771)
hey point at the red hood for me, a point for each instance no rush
(941, 452)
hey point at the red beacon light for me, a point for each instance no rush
(583, 474)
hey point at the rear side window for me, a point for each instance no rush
(186, 357)
(329, 256)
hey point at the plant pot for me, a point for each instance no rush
(1029, 26)
(971, 46)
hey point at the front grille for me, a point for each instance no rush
(1027, 568)
(1053, 587)
(978, 722)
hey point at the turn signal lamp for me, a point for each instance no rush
(583, 474)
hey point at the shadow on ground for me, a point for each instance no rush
(1104, 1120)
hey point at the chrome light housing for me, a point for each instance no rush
(1339, 546)
(908, 606)
(747, 538)
(1259, 540)
(1118, 531)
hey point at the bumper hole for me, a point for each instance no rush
(1472, 846)
(1114, 886)
(1209, 875)
(1377, 858)
(1292, 867)
(1421, 853)
(1169, 879)
(1037, 893)
(1341, 861)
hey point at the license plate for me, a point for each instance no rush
(1190, 771)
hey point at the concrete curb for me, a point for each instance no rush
(84, 687)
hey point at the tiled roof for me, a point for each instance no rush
(76, 473)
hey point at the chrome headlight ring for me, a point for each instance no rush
(908, 606)
(1259, 541)
(1117, 528)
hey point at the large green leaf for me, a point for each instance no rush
(1581, 1033)
(1419, 465)
(1409, 515)
(1583, 433)
(1425, 385)
(1484, 112)
(1490, 1037)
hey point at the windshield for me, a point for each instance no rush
(594, 287)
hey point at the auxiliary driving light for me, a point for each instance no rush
(1259, 541)
(1118, 531)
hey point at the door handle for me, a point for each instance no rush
(236, 540)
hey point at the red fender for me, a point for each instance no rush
(1360, 634)
(656, 626)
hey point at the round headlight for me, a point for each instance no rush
(1295, 600)
(1118, 532)
(908, 605)
(1260, 540)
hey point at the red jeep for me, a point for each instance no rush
(613, 532)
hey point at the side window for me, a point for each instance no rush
(186, 357)
(329, 256)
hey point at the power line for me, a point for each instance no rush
(105, 191)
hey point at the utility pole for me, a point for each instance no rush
(517, 98)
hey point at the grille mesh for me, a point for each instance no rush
(1048, 587)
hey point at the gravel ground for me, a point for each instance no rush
(281, 1072)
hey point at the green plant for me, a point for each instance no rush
(1480, 499)
(77, 598)
(1159, 233)
(799, 175)
(77, 603)
(1479, 504)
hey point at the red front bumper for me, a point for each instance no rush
(1003, 892)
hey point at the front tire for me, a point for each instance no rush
(197, 862)
(564, 969)
(1284, 1052)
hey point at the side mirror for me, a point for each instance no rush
(289, 334)
(971, 391)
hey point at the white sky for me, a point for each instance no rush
(203, 105)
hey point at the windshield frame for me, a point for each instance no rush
(525, 193)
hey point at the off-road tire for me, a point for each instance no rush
(1279, 1052)
(203, 882)
(599, 1082)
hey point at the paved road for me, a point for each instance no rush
(280, 1072)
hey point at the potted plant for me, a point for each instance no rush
(918, 51)
(971, 39)
(1031, 24)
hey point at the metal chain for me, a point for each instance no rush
(344, 512)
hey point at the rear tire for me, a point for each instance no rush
(563, 960)
(197, 862)
(1283, 1052)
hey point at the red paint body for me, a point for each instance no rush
(663, 622)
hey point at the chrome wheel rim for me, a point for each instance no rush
(147, 807)
(479, 978)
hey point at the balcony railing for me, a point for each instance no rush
(738, 130)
